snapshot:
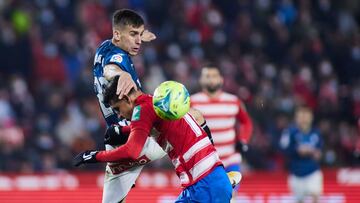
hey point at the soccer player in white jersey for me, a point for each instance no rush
(223, 111)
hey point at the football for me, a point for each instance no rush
(171, 100)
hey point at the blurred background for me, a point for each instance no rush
(274, 55)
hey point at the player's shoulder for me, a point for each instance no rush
(112, 53)
(316, 131)
(227, 97)
(292, 129)
(104, 47)
(143, 106)
(199, 97)
(144, 100)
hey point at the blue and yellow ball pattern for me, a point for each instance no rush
(171, 100)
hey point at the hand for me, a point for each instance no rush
(305, 150)
(114, 135)
(125, 84)
(88, 156)
(147, 36)
(234, 177)
(241, 147)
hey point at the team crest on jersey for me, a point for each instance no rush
(116, 58)
(136, 113)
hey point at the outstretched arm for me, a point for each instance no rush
(130, 150)
(125, 83)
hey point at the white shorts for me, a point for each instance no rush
(311, 184)
(120, 177)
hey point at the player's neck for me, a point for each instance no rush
(212, 95)
(116, 43)
(135, 95)
(305, 129)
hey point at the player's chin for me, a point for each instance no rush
(134, 52)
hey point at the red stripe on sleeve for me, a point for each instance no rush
(130, 150)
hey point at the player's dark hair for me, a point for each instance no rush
(212, 66)
(125, 17)
(303, 108)
(110, 91)
(110, 95)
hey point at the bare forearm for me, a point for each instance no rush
(110, 71)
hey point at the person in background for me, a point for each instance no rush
(302, 146)
(222, 112)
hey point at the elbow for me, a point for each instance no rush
(196, 114)
(110, 72)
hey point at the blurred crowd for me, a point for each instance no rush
(274, 55)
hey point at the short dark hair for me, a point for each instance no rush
(110, 91)
(110, 95)
(212, 66)
(303, 107)
(125, 17)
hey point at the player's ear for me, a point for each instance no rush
(202, 80)
(127, 99)
(221, 80)
(116, 34)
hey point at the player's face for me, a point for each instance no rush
(211, 79)
(303, 119)
(123, 108)
(129, 38)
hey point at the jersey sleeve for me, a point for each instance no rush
(130, 150)
(287, 142)
(246, 125)
(141, 124)
(119, 59)
(122, 61)
(143, 118)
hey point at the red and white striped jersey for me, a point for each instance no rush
(221, 114)
(184, 140)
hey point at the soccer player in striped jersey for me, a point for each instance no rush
(222, 111)
(195, 159)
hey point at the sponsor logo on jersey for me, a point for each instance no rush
(124, 165)
(116, 58)
(136, 113)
